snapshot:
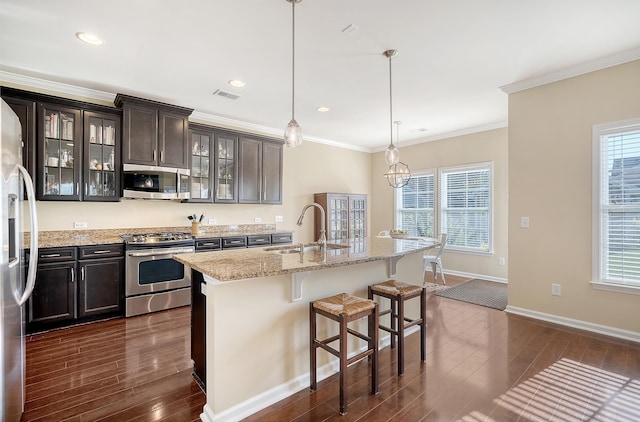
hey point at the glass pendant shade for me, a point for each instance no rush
(398, 175)
(293, 134)
(392, 155)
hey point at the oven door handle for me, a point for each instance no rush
(169, 251)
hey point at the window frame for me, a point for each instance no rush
(398, 196)
(598, 133)
(441, 206)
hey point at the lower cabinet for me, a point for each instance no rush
(101, 284)
(76, 285)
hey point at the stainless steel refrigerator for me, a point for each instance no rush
(17, 280)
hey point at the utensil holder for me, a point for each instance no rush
(195, 228)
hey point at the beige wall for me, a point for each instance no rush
(550, 137)
(488, 146)
(309, 168)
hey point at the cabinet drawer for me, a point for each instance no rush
(258, 240)
(101, 251)
(282, 238)
(56, 254)
(211, 244)
(234, 242)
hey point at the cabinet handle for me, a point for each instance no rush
(235, 242)
(85, 189)
(82, 273)
(51, 255)
(260, 240)
(154, 154)
(101, 252)
(78, 187)
(73, 275)
(162, 156)
(209, 244)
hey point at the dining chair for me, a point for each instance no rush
(436, 260)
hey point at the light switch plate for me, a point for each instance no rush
(258, 219)
(524, 222)
(212, 221)
(79, 225)
(279, 219)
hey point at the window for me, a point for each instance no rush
(616, 211)
(415, 205)
(465, 207)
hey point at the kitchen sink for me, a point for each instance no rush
(311, 247)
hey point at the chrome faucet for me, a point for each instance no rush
(323, 232)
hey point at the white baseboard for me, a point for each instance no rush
(472, 275)
(575, 323)
(282, 391)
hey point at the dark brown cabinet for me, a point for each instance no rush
(68, 145)
(53, 301)
(26, 112)
(259, 172)
(101, 157)
(214, 171)
(101, 283)
(59, 151)
(346, 215)
(154, 133)
(76, 285)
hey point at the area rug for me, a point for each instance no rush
(480, 292)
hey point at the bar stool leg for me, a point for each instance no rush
(343, 365)
(394, 321)
(312, 349)
(423, 325)
(400, 317)
(374, 321)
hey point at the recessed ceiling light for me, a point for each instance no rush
(89, 38)
(236, 83)
(323, 109)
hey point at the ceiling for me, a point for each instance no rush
(453, 57)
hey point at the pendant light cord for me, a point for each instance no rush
(390, 102)
(293, 59)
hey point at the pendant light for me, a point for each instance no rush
(391, 155)
(398, 174)
(293, 132)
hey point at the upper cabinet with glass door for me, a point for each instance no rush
(101, 157)
(59, 151)
(201, 142)
(226, 178)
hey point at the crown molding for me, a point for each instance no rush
(453, 134)
(57, 87)
(570, 72)
(76, 91)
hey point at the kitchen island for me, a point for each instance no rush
(257, 304)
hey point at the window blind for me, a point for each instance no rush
(465, 201)
(415, 205)
(619, 216)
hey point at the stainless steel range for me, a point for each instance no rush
(154, 281)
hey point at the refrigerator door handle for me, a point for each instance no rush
(33, 261)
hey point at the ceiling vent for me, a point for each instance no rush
(225, 94)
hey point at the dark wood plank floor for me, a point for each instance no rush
(482, 365)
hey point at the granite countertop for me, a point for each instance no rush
(67, 238)
(252, 263)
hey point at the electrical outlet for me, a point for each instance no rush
(279, 219)
(258, 219)
(524, 222)
(212, 221)
(501, 260)
(555, 289)
(79, 225)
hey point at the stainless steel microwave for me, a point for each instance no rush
(152, 182)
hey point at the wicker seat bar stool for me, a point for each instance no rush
(398, 293)
(344, 308)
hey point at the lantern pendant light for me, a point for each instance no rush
(293, 132)
(398, 174)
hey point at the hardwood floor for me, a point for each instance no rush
(482, 365)
(134, 369)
